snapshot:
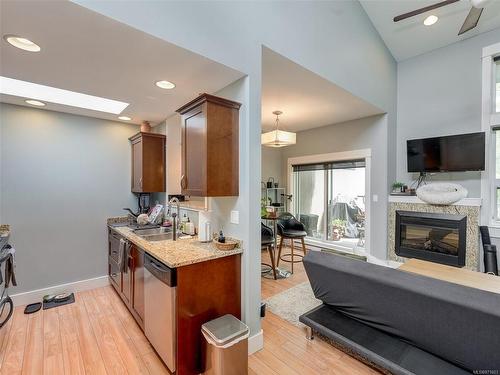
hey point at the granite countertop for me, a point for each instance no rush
(175, 253)
(4, 230)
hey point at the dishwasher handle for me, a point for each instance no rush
(160, 271)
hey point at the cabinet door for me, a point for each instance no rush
(114, 275)
(138, 283)
(153, 163)
(137, 165)
(127, 279)
(193, 179)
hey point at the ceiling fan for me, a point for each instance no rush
(470, 22)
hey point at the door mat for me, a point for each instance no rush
(51, 304)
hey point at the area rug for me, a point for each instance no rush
(293, 302)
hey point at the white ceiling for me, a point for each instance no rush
(306, 99)
(90, 53)
(409, 38)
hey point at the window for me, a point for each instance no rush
(497, 174)
(497, 85)
(496, 140)
(490, 180)
(329, 201)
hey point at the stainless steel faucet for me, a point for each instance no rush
(171, 202)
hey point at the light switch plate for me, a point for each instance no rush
(375, 197)
(235, 217)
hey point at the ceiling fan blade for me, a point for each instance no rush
(423, 10)
(471, 20)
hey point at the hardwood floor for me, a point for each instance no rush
(97, 335)
(286, 349)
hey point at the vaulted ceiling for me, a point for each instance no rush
(306, 99)
(410, 37)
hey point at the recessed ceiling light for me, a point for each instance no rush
(22, 43)
(124, 118)
(167, 85)
(35, 102)
(431, 20)
(24, 89)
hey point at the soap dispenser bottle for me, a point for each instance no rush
(221, 238)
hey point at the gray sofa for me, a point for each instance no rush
(402, 322)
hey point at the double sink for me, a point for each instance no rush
(155, 234)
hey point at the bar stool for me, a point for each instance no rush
(267, 241)
(290, 228)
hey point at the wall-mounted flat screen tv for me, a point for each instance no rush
(455, 153)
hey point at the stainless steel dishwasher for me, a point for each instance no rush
(159, 304)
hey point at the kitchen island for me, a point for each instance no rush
(206, 285)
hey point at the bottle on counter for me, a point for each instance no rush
(189, 227)
(184, 220)
(221, 238)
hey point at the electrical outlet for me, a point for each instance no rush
(235, 217)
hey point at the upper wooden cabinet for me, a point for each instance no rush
(148, 163)
(210, 153)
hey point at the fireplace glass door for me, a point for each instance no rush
(435, 239)
(429, 236)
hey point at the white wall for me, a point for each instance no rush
(62, 176)
(439, 93)
(335, 40)
(369, 132)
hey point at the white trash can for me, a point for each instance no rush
(225, 346)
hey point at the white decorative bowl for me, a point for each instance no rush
(441, 193)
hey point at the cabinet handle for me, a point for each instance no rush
(140, 182)
(183, 181)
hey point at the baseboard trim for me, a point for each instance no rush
(256, 342)
(77, 286)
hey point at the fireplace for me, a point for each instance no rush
(439, 238)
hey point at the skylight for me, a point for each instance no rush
(29, 90)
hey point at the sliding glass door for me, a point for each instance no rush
(329, 199)
(310, 201)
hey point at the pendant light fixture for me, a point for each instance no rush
(276, 137)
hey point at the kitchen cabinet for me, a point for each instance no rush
(194, 294)
(138, 281)
(129, 285)
(210, 147)
(148, 162)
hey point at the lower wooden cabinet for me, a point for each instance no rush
(129, 285)
(138, 281)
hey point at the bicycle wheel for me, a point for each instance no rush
(6, 310)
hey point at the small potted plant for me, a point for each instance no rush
(263, 204)
(338, 229)
(397, 187)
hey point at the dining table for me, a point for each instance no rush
(280, 273)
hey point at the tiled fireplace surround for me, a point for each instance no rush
(468, 207)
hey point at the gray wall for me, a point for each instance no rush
(335, 40)
(369, 132)
(62, 176)
(272, 164)
(439, 93)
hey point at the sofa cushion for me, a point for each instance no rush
(457, 323)
(372, 346)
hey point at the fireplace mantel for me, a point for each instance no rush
(469, 207)
(413, 199)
